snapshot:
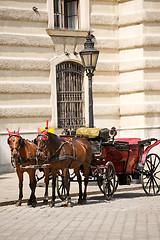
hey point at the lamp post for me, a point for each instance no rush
(89, 56)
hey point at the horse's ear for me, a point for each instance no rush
(18, 130)
(8, 130)
(39, 131)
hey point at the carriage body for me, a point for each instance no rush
(127, 159)
(123, 153)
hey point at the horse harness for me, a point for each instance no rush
(54, 158)
(20, 160)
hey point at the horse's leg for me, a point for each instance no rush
(67, 185)
(86, 174)
(79, 179)
(54, 175)
(46, 172)
(20, 177)
(32, 201)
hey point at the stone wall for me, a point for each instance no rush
(126, 82)
(25, 53)
(139, 55)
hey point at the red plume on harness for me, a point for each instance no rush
(43, 134)
(14, 133)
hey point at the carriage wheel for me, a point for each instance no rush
(100, 182)
(109, 180)
(150, 178)
(61, 190)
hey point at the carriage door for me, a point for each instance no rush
(70, 94)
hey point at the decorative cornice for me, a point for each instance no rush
(20, 64)
(67, 33)
(25, 111)
(26, 40)
(20, 14)
(25, 87)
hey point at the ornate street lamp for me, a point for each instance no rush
(89, 56)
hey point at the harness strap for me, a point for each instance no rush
(74, 154)
(27, 148)
(59, 148)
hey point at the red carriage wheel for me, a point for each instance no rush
(109, 180)
(150, 178)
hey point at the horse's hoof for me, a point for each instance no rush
(80, 201)
(18, 203)
(29, 202)
(34, 204)
(52, 204)
(45, 201)
(69, 204)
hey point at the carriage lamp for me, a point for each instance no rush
(89, 57)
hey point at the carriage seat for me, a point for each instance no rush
(88, 132)
(94, 133)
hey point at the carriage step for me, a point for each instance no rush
(37, 166)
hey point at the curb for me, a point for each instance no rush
(13, 202)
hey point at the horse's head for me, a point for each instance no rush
(42, 141)
(14, 141)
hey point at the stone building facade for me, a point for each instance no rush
(126, 84)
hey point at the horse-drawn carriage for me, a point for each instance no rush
(100, 157)
(118, 161)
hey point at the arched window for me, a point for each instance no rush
(66, 14)
(70, 94)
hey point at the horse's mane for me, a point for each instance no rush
(54, 138)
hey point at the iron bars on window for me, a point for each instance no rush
(70, 95)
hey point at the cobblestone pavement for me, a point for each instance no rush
(129, 215)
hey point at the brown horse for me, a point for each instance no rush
(24, 154)
(65, 155)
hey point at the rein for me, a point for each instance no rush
(53, 158)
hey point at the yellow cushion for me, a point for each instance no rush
(88, 132)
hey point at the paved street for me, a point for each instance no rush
(130, 215)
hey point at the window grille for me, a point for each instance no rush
(66, 14)
(70, 95)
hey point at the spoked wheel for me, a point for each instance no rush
(61, 190)
(100, 182)
(109, 180)
(150, 177)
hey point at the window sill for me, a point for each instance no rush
(66, 33)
